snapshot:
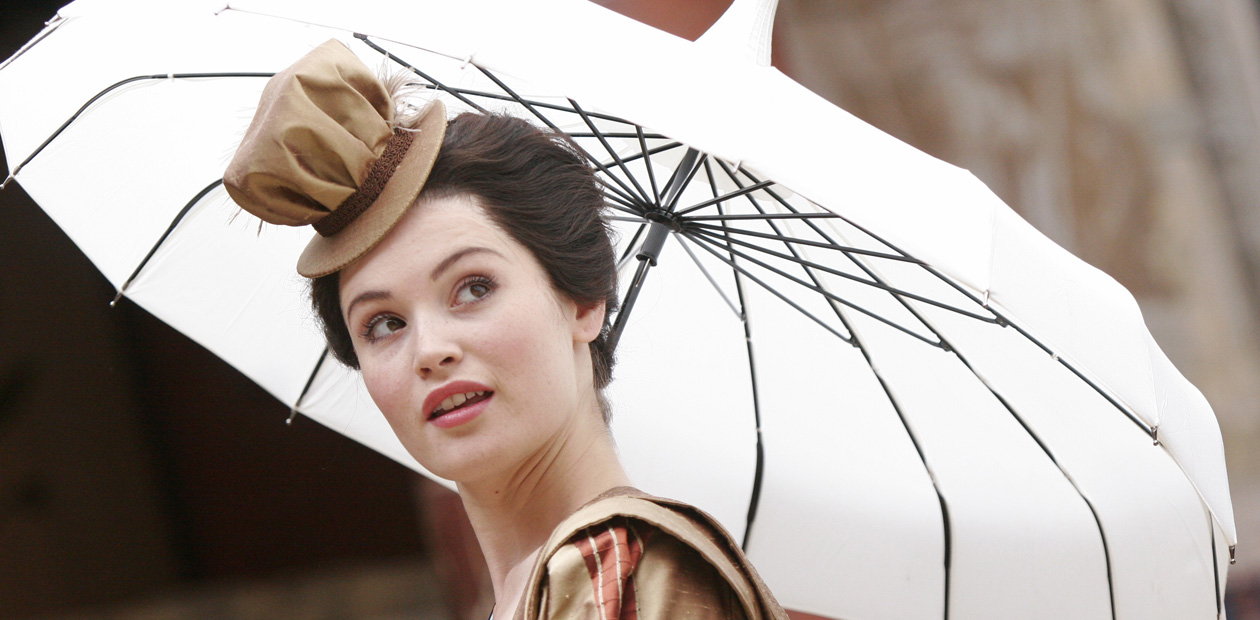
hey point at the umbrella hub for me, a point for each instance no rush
(661, 224)
(668, 219)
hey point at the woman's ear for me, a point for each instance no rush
(589, 321)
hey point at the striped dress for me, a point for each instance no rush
(628, 556)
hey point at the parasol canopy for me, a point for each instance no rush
(904, 399)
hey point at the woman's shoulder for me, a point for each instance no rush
(626, 567)
(630, 555)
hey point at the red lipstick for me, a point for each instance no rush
(461, 414)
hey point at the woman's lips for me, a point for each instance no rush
(456, 403)
(462, 414)
(458, 400)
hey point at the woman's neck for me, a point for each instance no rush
(513, 514)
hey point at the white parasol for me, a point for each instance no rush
(905, 400)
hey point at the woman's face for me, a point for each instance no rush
(475, 360)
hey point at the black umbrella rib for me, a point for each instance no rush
(652, 151)
(873, 284)
(734, 265)
(713, 281)
(847, 251)
(787, 205)
(1216, 571)
(611, 152)
(625, 192)
(762, 216)
(612, 191)
(624, 203)
(797, 215)
(169, 229)
(673, 174)
(635, 214)
(115, 86)
(739, 287)
(647, 163)
(817, 288)
(416, 70)
(728, 196)
(949, 347)
(1149, 430)
(293, 411)
(606, 134)
(1000, 319)
(818, 285)
(947, 529)
(867, 270)
(786, 239)
(948, 281)
(480, 93)
(534, 102)
(947, 555)
(630, 246)
(1102, 534)
(675, 190)
(932, 270)
(725, 230)
(754, 499)
(531, 107)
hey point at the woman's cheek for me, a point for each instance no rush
(513, 347)
(385, 389)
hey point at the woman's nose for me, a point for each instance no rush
(435, 350)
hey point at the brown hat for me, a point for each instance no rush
(323, 150)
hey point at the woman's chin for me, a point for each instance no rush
(461, 466)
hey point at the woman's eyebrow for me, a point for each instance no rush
(366, 296)
(454, 257)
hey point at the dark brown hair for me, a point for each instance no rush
(536, 187)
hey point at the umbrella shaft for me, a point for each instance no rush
(648, 253)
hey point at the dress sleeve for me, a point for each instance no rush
(626, 569)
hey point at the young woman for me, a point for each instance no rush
(466, 270)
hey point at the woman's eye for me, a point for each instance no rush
(473, 290)
(382, 326)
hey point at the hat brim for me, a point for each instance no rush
(325, 255)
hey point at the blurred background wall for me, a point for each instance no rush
(139, 477)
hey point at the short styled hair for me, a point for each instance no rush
(537, 187)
